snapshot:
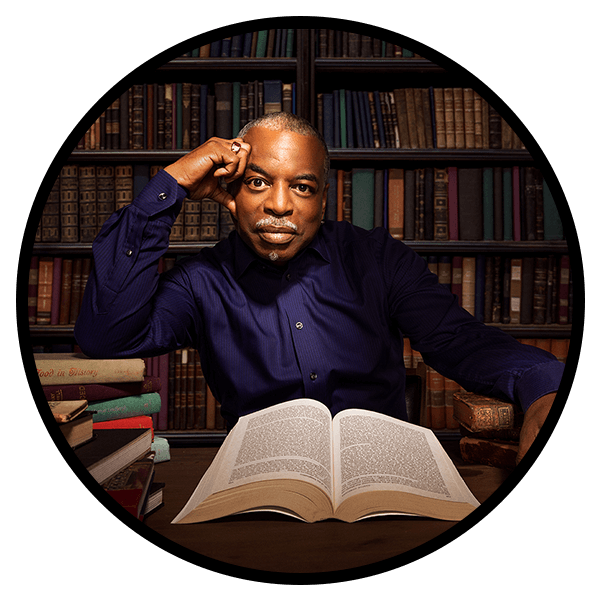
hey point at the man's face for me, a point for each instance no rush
(282, 194)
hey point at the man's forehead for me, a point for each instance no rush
(295, 151)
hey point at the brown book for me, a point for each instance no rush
(440, 198)
(470, 203)
(469, 117)
(396, 203)
(112, 450)
(137, 117)
(88, 215)
(65, 294)
(64, 411)
(209, 221)
(482, 413)
(192, 220)
(402, 117)
(211, 408)
(437, 402)
(50, 222)
(494, 453)
(123, 186)
(411, 113)
(469, 264)
(105, 194)
(440, 120)
(449, 118)
(32, 290)
(516, 269)
(44, 290)
(223, 108)
(69, 204)
(76, 368)
(459, 118)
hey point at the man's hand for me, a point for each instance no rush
(534, 419)
(199, 170)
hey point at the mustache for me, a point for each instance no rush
(280, 222)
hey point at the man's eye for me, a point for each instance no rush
(255, 182)
(303, 188)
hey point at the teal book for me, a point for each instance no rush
(261, 43)
(363, 197)
(121, 408)
(553, 228)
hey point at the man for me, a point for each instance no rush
(290, 306)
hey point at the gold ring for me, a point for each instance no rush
(236, 147)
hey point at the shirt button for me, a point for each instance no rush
(162, 196)
(129, 252)
(299, 325)
(313, 376)
(288, 276)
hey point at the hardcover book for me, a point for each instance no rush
(295, 459)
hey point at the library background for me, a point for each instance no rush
(413, 149)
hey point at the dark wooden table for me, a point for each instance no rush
(269, 542)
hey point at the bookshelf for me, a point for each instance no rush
(311, 69)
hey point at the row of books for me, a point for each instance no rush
(173, 395)
(502, 289)
(266, 43)
(507, 289)
(280, 43)
(440, 392)
(332, 43)
(55, 289)
(84, 196)
(182, 116)
(103, 409)
(430, 203)
(447, 203)
(415, 118)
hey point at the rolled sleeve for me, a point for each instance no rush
(538, 381)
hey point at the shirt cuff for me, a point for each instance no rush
(538, 381)
(159, 194)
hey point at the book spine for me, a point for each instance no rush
(53, 370)
(122, 408)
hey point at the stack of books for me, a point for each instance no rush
(490, 429)
(104, 408)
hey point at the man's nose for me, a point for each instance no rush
(279, 202)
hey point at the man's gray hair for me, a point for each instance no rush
(284, 121)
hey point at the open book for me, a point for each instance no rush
(294, 459)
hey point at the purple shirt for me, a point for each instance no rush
(329, 325)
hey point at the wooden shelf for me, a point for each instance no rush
(425, 246)
(230, 64)
(482, 156)
(378, 65)
(431, 156)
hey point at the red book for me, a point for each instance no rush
(56, 289)
(32, 290)
(141, 422)
(102, 391)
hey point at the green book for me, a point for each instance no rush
(121, 408)
(261, 43)
(553, 229)
(343, 135)
(363, 197)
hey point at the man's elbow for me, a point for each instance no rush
(91, 342)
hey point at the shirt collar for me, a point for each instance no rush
(244, 256)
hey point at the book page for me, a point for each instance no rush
(377, 452)
(290, 440)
